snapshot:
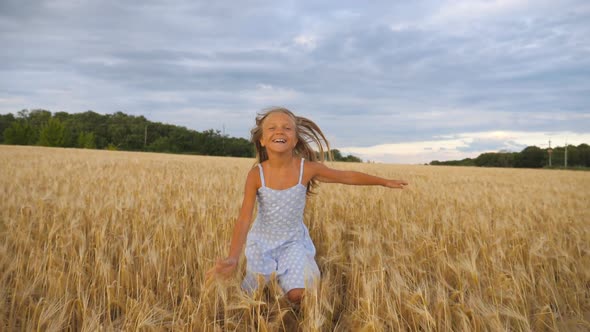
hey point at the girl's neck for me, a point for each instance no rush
(280, 160)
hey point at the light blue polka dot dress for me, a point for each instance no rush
(278, 241)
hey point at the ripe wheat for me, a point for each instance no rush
(120, 240)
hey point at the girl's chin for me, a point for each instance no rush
(280, 149)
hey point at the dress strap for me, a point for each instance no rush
(301, 171)
(261, 175)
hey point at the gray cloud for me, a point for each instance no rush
(369, 74)
(492, 145)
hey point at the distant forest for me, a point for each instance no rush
(529, 157)
(120, 131)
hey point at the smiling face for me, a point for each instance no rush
(278, 133)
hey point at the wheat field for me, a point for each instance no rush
(109, 240)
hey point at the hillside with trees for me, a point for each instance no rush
(529, 157)
(120, 131)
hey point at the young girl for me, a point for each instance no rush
(278, 241)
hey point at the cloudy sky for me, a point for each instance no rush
(390, 81)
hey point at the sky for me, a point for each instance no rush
(389, 81)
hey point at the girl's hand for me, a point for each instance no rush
(398, 184)
(224, 268)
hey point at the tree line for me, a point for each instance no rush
(529, 157)
(120, 131)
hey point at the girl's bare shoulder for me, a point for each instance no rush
(314, 167)
(315, 163)
(253, 177)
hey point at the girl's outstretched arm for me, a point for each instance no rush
(227, 266)
(325, 174)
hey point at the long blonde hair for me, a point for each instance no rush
(307, 133)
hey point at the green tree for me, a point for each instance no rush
(52, 133)
(38, 117)
(352, 159)
(239, 147)
(120, 131)
(23, 114)
(5, 123)
(584, 150)
(161, 144)
(19, 133)
(86, 141)
(213, 142)
(530, 157)
(35, 120)
(180, 139)
(506, 159)
(462, 162)
(90, 121)
(495, 159)
(337, 155)
(573, 156)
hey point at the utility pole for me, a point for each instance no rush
(223, 140)
(145, 137)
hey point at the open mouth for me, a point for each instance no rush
(279, 140)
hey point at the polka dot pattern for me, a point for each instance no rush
(278, 241)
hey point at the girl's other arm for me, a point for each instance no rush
(325, 174)
(227, 266)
